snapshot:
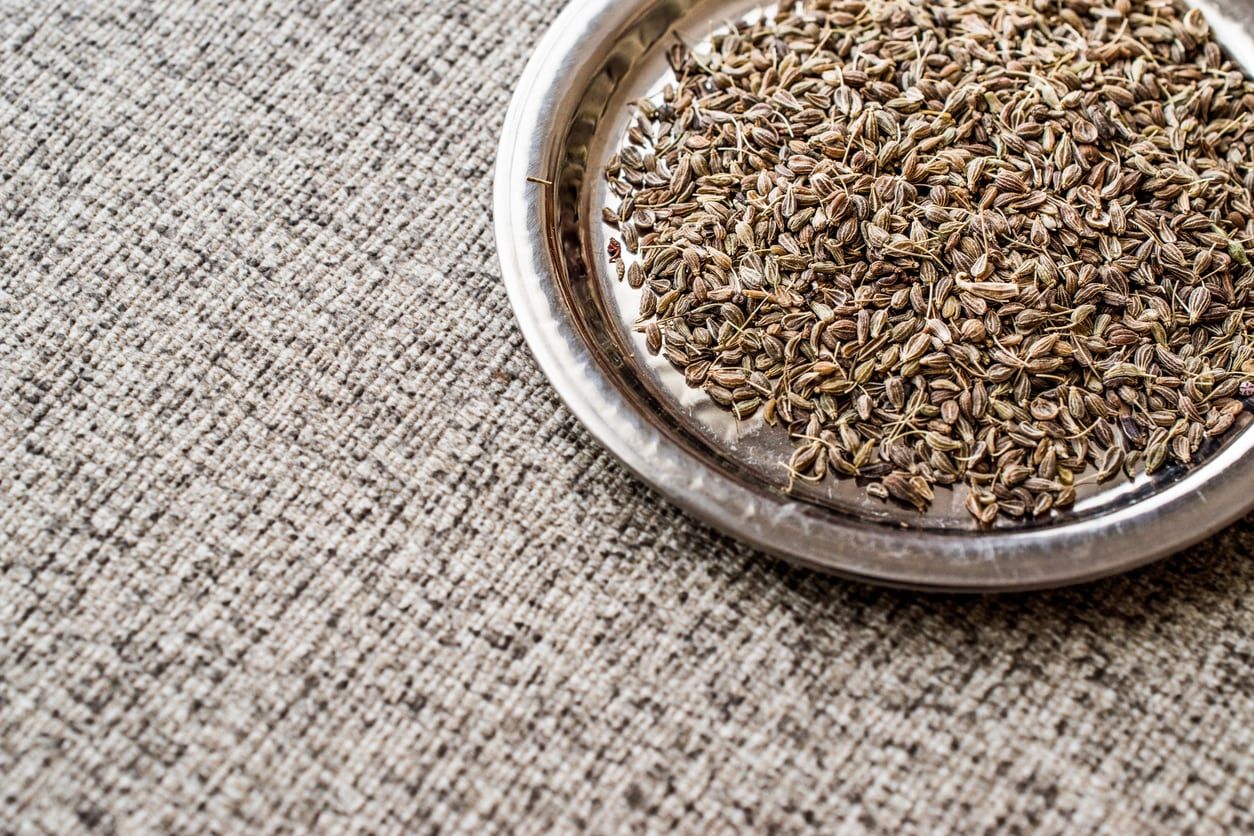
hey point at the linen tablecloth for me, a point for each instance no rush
(294, 535)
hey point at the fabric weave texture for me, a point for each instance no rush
(295, 536)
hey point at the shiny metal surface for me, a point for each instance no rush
(568, 113)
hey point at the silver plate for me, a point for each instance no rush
(568, 114)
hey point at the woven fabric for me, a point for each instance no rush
(294, 535)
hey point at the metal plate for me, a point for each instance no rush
(568, 114)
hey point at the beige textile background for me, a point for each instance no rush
(294, 535)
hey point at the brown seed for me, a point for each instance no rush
(635, 275)
(989, 297)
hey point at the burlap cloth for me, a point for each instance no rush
(296, 536)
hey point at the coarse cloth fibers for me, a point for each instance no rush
(295, 536)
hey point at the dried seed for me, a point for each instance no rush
(978, 265)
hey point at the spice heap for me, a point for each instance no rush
(992, 244)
